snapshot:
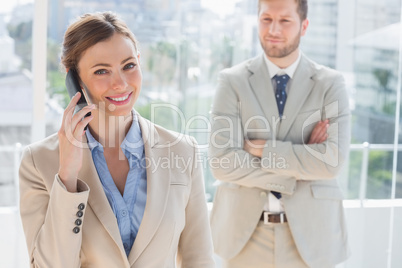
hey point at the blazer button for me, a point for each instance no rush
(81, 206)
(80, 213)
(76, 230)
(78, 222)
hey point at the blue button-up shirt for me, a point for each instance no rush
(129, 208)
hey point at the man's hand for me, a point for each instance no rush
(319, 133)
(254, 147)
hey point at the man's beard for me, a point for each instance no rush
(281, 52)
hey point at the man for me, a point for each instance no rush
(280, 136)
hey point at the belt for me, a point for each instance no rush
(270, 217)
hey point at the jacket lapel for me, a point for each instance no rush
(98, 201)
(262, 86)
(301, 87)
(158, 186)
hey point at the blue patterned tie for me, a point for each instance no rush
(280, 95)
(277, 194)
(281, 82)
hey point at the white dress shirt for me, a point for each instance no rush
(274, 204)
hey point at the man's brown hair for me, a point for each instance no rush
(302, 8)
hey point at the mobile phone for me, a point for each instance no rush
(73, 86)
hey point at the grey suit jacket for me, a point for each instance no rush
(245, 108)
(174, 229)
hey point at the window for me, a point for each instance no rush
(184, 44)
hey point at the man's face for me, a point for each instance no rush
(280, 27)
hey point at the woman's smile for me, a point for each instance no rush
(121, 99)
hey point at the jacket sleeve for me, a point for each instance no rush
(303, 162)
(318, 161)
(195, 244)
(227, 159)
(49, 216)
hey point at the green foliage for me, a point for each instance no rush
(161, 115)
(53, 58)
(22, 35)
(222, 54)
(383, 77)
(389, 108)
(379, 175)
(166, 48)
(55, 77)
(144, 110)
(57, 88)
(355, 162)
(162, 61)
(21, 32)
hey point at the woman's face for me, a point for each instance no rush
(111, 72)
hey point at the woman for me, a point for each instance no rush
(112, 195)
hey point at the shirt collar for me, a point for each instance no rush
(132, 143)
(92, 143)
(274, 70)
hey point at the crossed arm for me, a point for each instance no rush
(329, 138)
(318, 135)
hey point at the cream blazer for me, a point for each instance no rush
(306, 175)
(174, 231)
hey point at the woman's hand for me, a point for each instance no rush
(70, 143)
